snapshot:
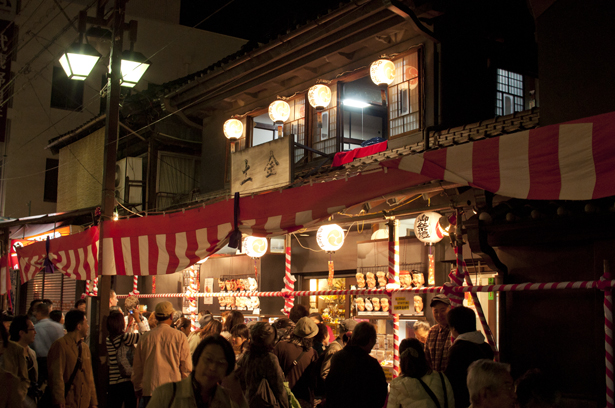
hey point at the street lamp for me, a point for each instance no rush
(79, 60)
(134, 65)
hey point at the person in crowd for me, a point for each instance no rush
(81, 305)
(224, 315)
(295, 355)
(439, 338)
(194, 338)
(321, 340)
(121, 390)
(11, 396)
(184, 325)
(49, 302)
(20, 359)
(240, 337)
(317, 317)
(490, 385)
(7, 318)
(213, 359)
(356, 379)
(284, 328)
(135, 322)
(468, 347)
(162, 356)
(297, 312)
(411, 388)
(258, 363)
(48, 332)
(70, 365)
(421, 330)
(211, 327)
(151, 321)
(57, 316)
(32, 308)
(234, 318)
(345, 327)
(537, 390)
(113, 301)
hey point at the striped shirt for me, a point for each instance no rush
(129, 339)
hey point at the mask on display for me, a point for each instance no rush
(368, 305)
(221, 285)
(376, 304)
(418, 304)
(417, 279)
(382, 279)
(384, 304)
(360, 304)
(370, 280)
(360, 280)
(405, 280)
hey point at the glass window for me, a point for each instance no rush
(325, 136)
(509, 94)
(295, 125)
(364, 112)
(404, 100)
(264, 130)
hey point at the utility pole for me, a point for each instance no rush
(108, 192)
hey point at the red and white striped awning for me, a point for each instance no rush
(568, 161)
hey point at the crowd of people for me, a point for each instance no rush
(156, 360)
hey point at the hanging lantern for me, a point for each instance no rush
(319, 96)
(330, 237)
(279, 112)
(426, 227)
(382, 72)
(233, 129)
(254, 247)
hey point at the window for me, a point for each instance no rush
(509, 96)
(364, 112)
(325, 137)
(51, 181)
(404, 96)
(66, 93)
(60, 289)
(295, 125)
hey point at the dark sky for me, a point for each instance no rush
(257, 20)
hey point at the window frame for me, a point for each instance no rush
(420, 112)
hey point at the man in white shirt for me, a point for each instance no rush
(47, 331)
(162, 356)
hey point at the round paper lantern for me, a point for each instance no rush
(382, 72)
(254, 247)
(319, 96)
(279, 111)
(426, 227)
(233, 129)
(330, 237)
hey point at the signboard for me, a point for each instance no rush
(406, 303)
(263, 167)
(6, 46)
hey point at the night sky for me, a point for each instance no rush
(256, 20)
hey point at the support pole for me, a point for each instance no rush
(608, 337)
(289, 279)
(394, 274)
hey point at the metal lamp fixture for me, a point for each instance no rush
(79, 60)
(134, 65)
(330, 237)
(233, 129)
(382, 72)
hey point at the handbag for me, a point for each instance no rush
(432, 395)
(72, 376)
(264, 396)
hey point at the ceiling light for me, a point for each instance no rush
(356, 104)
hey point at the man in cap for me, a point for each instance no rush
(346, 327)
(439, 337)
(162, 356)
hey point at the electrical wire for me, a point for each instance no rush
(308, 248)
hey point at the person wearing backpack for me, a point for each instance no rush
(120, 349)
(418, 384)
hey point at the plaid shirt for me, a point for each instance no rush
(436, 347)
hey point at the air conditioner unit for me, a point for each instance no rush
(129, 182)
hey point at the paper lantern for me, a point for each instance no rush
(254, 247)
(382, 72)
(330, 237)
(426, 227)
(319, 96)
(233, 129)
(279, 111)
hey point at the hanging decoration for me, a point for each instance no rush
(233, 129)
(431, 269)
(254, 247)
(192, 289)
(426, 228)
(279, 112)
(319, 97)
(330, 238)
(382, 72)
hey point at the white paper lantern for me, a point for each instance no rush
(279, 111)
(382, 72)
(426, 227)
(319, 96)
(330, 237)
(233, 129)
(254, 247)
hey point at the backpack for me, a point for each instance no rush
(311, 384)
(124, 356)
(264, 396)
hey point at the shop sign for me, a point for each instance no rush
(407, 303)
(263, 167)
(6, 45)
